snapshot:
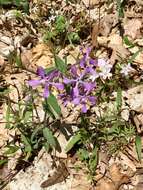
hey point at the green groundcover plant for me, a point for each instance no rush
(86, 84)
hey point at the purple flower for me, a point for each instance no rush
(86, 60)
(83, 100)
(75, 81)
(46, 80)
(78, 82)
(65, 98)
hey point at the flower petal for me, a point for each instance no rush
(101, 62)
(74, 70)
(88, 50)
(76, 101)
(75, 91)
(34, 83)
(92, 99)
(53, 74)
(84, 108)
(46, 91)
(41, 72)
(83, 62)
(89, 86)
(93, 62)
(60, 86)
(67, 81)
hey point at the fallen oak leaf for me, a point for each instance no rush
(116, 44)
(132, 28)
(38, 56)
(117, 177)
(106, 185)
(114, 181)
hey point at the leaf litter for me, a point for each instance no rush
(26, 37)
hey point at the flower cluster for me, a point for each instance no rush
(78, 85)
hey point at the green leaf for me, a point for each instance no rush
(18, 61)
(7, 117)
(60, 24)
(11, 149)
(47, 109)
(6, 2)
(93, 160)
(49, 137)
(119, 99)
(25, 6)
(135, 55)
(35, 133)
(120, 7)
(128, 42)
(138, 145)
(47, 146)
(60, 64)
(26, 142)
(52, 107)
(83, 154)
(28, 116)
(19, 3)
(73, 37)
(2, 162)
(49, 70)
(72, 142)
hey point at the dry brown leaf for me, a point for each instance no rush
(102, 40)
(91, 3)
(3, 171)
(25, 58)
(138, 120)
(135, 98)
(139, 60)
(40, 55)
(117, 177)
(106, 185)
(132, 28)
(117, 48)
(2, 63)
(114, 181)
(80, 182)
(1, 60)
(107, 23)
(126, 160)
(139, 174)
(3, 135)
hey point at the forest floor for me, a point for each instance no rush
(71, 94)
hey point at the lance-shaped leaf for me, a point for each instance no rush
(52, 105)
(49, 137)
(60, 64)
(75, 139)
(138, 144)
